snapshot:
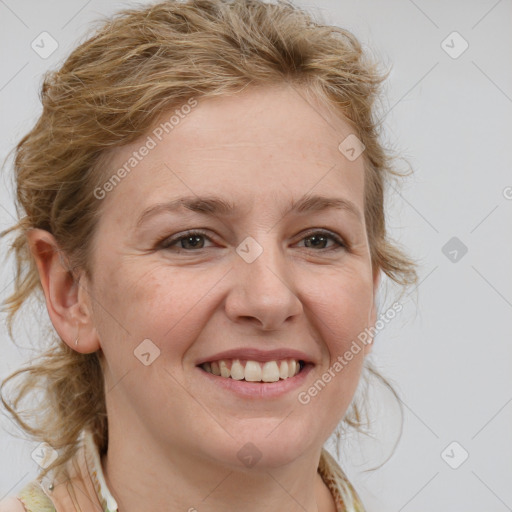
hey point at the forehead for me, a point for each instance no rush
(261, 140)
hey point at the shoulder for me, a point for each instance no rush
(30, 498)
(11, 504)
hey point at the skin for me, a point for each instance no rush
(260, 149)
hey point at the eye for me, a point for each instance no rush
(188, 241)
(191, 240)
(319, 239)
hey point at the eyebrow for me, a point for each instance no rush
(213, 205)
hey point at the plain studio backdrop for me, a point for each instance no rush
(448, 353)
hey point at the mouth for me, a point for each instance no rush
(255, 371)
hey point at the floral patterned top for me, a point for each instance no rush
(84, 489)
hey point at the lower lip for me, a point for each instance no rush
(259, 389)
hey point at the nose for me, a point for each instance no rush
(262, 292)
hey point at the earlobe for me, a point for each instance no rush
(68, 314)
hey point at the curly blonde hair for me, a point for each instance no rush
(110, 90)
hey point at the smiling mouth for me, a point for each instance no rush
(254, 371)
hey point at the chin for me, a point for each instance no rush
(275, 444)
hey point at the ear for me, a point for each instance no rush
(67, 298)
(372, 320)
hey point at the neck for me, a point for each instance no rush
(143, 476)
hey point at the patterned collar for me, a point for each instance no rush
(80, 485)
(92, 457)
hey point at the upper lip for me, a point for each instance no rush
(255, 354)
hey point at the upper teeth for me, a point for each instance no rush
(271, 371)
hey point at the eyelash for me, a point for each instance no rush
(168, 242)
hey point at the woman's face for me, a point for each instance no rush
(256, 278)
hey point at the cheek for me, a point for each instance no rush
(163, 305)
(343, 310)
(342, 314)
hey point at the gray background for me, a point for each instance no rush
(449, 352)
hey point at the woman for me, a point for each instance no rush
(203, 198)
